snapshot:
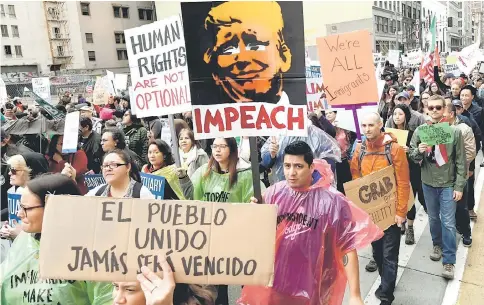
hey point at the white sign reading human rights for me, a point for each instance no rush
(159, 71)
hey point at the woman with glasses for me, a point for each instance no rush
(22, 168)
(122, 178)
(191, 155)
(20, 281)
(161, 163)
(226, 178)
(73, 165)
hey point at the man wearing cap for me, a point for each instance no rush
(416, 118)
(389, 81)
(86, 112)
(414, 100)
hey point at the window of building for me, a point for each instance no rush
(4, 30)
(378, 46)
(403, 10)
(15, 31)
(117, 11)
(91, 55)
(121, 12)
(125, 11)
(7, 50)
(394, 6)
(122, 54)
(385, 25)
(460, 23)
(11, 11)
(119, 38)
(399, 26)
(380, 3)
(60, 50)
(89, 38)
(85, 9)
(409, 12)
(385, 3)
(18, 51)
(375, 3)
(423, 12)
(376, 23)
(2, 10)
(459, 14)
(418, 14)
(414, 13)
(145, 14)
(56, 31)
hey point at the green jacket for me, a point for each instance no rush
(136, 137)
(20, 281)
(215, 187)
(451, 174)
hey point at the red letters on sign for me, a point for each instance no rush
(231, 116)
(147, 83)
(246, 117)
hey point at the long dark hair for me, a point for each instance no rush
(55, 184)
(134, 119)
(123, 154)
(233, 159)
(52, 149)
(165, 150)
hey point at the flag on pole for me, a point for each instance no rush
(433, 31)
(427, 66)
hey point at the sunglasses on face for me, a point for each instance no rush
(14, 171)
(431, 108)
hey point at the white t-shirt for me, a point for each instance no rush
(145, 193)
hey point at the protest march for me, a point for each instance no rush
(228, 167)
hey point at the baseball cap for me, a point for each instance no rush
(448, 75)
(388, 77)
(457, 103)
(411, 88)
(403, 94)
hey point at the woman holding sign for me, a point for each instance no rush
(19, 274)
(161, 163)
(226, 178)
(154, 290)
(191, 155)
(401, 118)
(122, 177)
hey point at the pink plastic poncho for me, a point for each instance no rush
(316, 227)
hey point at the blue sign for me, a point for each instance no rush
(156, 184)
(13, 208)
(93, 181)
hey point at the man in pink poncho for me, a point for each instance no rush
(318, 233)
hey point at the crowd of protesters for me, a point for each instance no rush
(114, 142)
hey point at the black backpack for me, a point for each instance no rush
(136, 190)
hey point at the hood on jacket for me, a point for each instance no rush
(36, 162)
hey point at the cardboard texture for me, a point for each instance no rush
(348, 60)
(186, 231)
(400, 134)
(376, 194)
(99, 96)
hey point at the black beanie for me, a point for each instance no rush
(36, 162)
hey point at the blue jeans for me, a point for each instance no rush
(441, 209)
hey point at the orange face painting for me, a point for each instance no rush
(249, 53)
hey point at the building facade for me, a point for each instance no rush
(45, 37)
(477, 10)
(435, 8)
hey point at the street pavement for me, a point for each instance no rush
(419, 280)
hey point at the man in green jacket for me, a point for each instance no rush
(444, 175)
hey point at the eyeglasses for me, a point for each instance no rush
(25, 209)
(112, 165)
(14, 171)
(221, 146)
(431, 108)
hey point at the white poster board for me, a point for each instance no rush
(160, 87)
(71, 133)
(110, 83)
(41, 87)
(394, 57)
(120, 82)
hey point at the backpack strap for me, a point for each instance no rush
(137, 190)
(363, 153)
(101, 190)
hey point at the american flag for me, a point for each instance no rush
(427, 67)
(89, 87)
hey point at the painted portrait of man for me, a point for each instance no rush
(246, 49)
(241, 53)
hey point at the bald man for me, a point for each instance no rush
(377, 151)
(249, 54)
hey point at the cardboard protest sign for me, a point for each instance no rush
(347, 61)
(376, 193)
(247, 68)
(13, 208)
(434, 134)
(400, 134)
(71, 133)
(94, 180)
(156, 184)
(100, 96)
(315, 95)
(468, 58)
(394, 57)
(107, 239)
(452, 68)
(158, 64)
(41, 87)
